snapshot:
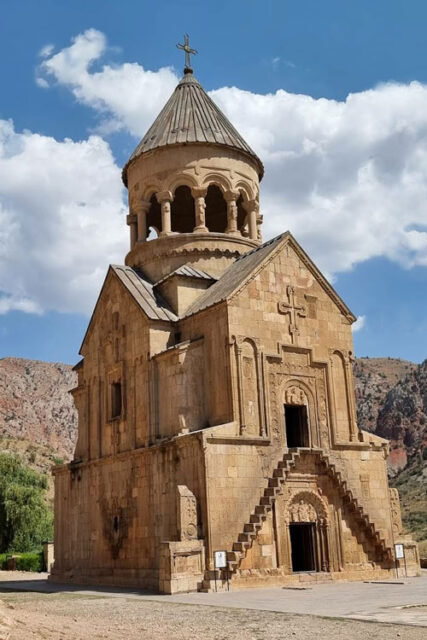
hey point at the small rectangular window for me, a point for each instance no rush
(116, 400)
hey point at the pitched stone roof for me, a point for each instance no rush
(245, 265)
(187, 271)
(190, 116)
(144, 294)
(232, 280)
(234, 275)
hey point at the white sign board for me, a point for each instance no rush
(220, 559)
(398, 549)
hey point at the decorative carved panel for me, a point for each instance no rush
(186, 513)
(396, 516)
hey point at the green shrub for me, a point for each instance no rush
(30, 561)
(25, 516)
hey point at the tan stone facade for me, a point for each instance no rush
(216, 401)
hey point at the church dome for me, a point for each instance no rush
(191, 117)
(193, 185)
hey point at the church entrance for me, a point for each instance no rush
(303, 550)
(296, 422)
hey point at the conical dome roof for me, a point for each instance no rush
(191, 117)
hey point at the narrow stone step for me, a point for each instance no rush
(244, 537)
(255, 518)
(271, 492)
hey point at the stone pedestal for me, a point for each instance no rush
(181, 566)
(410, 565)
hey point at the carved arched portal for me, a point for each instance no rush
(307, 531)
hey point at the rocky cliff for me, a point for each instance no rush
(37, 416)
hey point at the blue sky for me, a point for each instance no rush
(364, 220)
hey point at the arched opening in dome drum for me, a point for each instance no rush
(241, 217)
(216, 210)
(153, 233)
(154, 218)
(182, 210)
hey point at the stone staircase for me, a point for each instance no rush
(275, 482)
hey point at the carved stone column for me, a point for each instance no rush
(252, 207)
(231, 199)
(164, 198)
(131, 220)
(141, 208)
(348, 362)
(324, 546)
(239, 367)
(199, 195)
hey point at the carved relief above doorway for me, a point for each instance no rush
(295, 379)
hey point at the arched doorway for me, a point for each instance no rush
(296, 418)
(308, 529)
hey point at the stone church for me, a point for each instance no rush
(215, 392)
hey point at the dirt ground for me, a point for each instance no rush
(65, 616)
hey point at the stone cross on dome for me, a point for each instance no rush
(188, 51)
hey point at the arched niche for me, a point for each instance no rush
(154, 217)
(216, 210)
(342, 413)
(182, 210)
(251, 405)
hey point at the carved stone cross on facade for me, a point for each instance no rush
(294, 310)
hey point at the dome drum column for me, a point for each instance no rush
(131, 220)
(231, 199)
(252, 207)
(141, 208)
(165, 198)
(199, 195)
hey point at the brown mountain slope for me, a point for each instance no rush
(373, 378)
(37, 415)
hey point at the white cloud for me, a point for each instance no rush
(15, 303)
(349, 179)
(126, 95)
(46, 51)
(62, 220)
(359, 324)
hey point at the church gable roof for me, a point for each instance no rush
(144, 294)
(190, 116)
(150, 302)
(249, 264)
(235, 275)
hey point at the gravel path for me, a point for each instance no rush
(69, 616)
